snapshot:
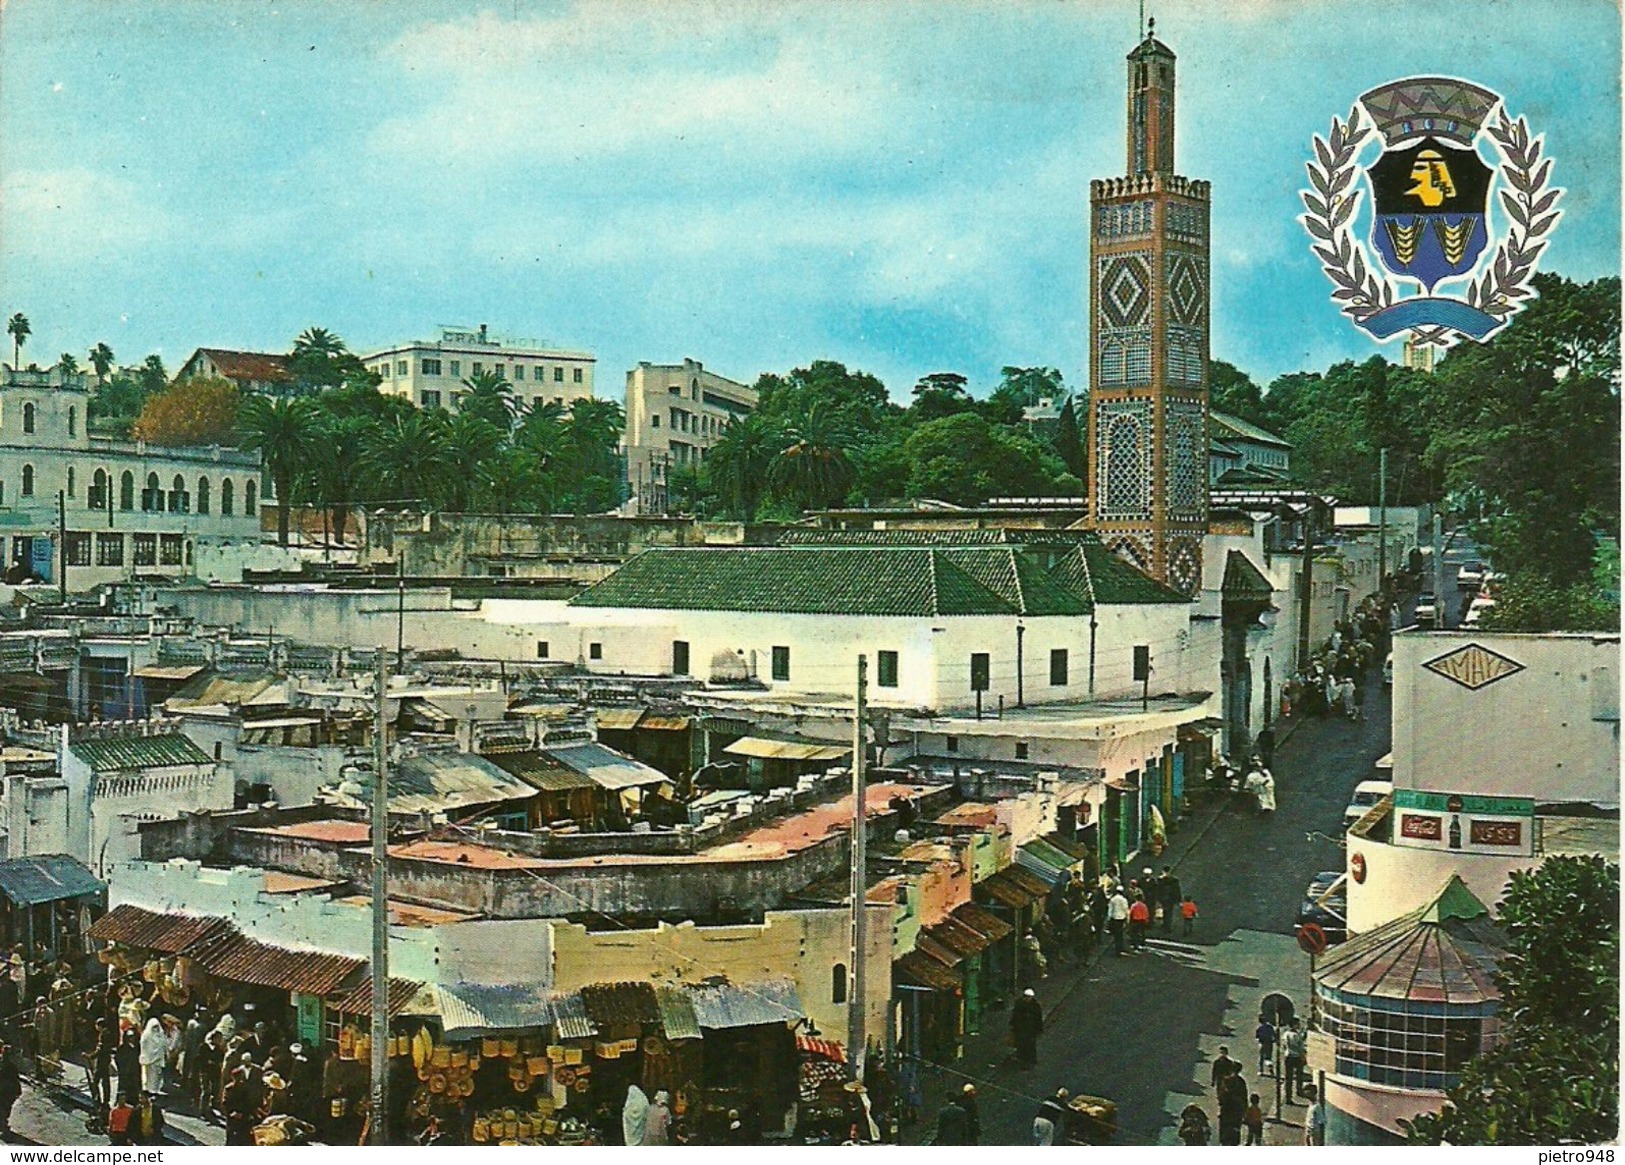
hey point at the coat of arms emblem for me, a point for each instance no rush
(1434, 208)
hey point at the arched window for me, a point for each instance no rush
(248, 501)
(73, 420)
(28, 481)
(203, 495)
(837, 983)
(1125, 473)
(126, 491)
(152, 498)
(225, 498)
(99, 497)
(28, 418)
(177, 495)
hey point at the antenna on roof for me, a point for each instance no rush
(1142, 19)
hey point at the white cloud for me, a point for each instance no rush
(608, 80)
(45, 214)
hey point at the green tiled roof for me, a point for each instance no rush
(870, 579)
(1244, 580)
(122, 753)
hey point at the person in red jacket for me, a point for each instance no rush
(1139, 921)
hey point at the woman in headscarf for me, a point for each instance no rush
(634, 1116)
(657, 1125)
(154, 1050)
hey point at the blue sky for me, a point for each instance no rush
(900, 186)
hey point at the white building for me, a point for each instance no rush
(430, 373)
(131, 509)
(1506, 750)
(109, 779)
(1240, 453)
(675, 413)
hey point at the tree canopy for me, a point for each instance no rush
(1554, 1076)
(199, 411)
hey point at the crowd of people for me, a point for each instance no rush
(1335, 678)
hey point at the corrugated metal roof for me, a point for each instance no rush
(1014, 887)
(926, 944)
(115, 754)
(468, 1009)
(665, 723)
(358, 1000)
(169, 672)
(677, 1013)
(621, 1003)
(47, 878)
(542, 772)
(570, 1021)
(983, 921)
(618, 719)
(924, 971)
(246, 960)
(168, 934)
(726, 1005)
(1053, 859)
(207, 691)
(957, 936)
(442, 780)
(760, 746)
(608, 769)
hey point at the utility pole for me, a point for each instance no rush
(1382, 519)
(400, 614)
(1021, 701)
(1308, 575)
(857, 1038)
(62, 545)
(380, 905)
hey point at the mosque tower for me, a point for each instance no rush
(1148, 340)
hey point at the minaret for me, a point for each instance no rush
(1148, 340)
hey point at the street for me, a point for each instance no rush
(1142, 1030)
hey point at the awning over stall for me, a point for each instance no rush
(726, 1005)
(470, 1009)
(766, 749)
(167, 934)
(46, 878)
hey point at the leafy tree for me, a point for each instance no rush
(1554, 1077)
(199, 411)
(151, 376)
(101, 359)
(1230, 390)
(592, 434)
(68, 362)
(19, 329)
(964, 460)
(1019, 389)
(490, 397)
(283, 432)
(1069, 443)
(116, 404)
(939, 394)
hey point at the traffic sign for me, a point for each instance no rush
(1312, 938)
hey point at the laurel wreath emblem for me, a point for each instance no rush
(1361, 290)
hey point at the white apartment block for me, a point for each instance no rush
(430, 373)
(131, 509)
(675, 413)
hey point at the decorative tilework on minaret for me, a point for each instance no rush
(1148, 340)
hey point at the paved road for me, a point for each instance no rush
(1141, 1029)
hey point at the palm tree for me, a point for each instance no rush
(283, 431)
(69, 362)
(101, 359)
(404, 456)
(489, 397)
(337, 471)
(471, 442)
(741, 461)
(318, 342)
(19, 329)
(813, 470)
(591, 435)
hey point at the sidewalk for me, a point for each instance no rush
(987, 1062)
(55, 1115)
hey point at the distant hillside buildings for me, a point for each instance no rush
(430, 373)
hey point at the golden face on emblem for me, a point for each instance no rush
(1432, 177)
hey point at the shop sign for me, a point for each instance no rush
(1484, 825)
(1475, 803)
(309, 1008)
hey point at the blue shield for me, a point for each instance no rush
(1431, 204)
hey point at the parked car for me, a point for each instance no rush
(1388, 671)
(1470, 574)
(1327, 911)
(1366, 794)
(1427, 609)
